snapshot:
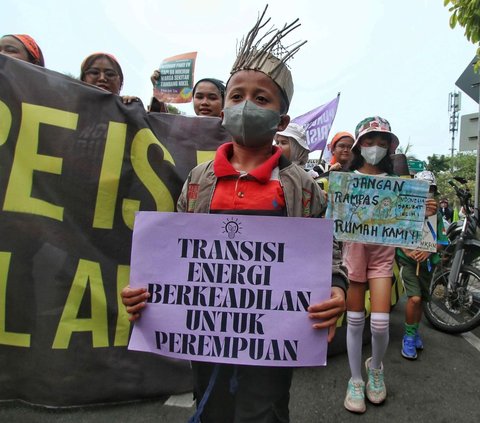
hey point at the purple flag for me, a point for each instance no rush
(317, 124)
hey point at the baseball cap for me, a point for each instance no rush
(376, 124)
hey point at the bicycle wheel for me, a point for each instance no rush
(459, 311)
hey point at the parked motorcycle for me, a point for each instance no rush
(454, 304)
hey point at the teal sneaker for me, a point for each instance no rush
(418, 341)
(408, 347)
(355, 398)
(376, 390)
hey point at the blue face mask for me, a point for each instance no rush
(251, 125)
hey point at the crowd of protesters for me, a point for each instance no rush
(253, 105)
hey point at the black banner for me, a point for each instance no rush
(75, 166)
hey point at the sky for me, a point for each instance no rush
(396, 59)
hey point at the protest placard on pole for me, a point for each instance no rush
(231, 289)
(377, 209)
(175, 84)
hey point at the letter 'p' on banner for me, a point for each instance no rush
(75, 166)
(231, 289)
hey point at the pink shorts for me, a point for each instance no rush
(368, 261)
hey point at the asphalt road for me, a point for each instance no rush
(442, 385)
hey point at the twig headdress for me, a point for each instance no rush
(269, 56)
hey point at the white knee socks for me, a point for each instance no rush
(379, 325)
(355, 324)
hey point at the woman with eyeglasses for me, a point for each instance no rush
(341, 149)
(341, 155)
(104, 71)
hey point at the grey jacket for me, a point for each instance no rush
(303, 198)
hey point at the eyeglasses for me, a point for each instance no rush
(95, 73)
(342, 146)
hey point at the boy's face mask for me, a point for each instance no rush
(251, 125)
(373, 155)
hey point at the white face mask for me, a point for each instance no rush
(373, 155)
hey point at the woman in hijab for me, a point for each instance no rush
(293, 142)
(208, 96)
(23, 47)
(341, 149)
(104, 71)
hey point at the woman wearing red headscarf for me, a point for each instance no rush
(341, 149)
(104, 71)
(23, 47)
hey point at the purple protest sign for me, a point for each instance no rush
(317, 124)
(231, 289)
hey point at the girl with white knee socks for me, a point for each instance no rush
(369, 265)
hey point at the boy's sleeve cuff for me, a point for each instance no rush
(339, 282)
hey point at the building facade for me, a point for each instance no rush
(469, 132)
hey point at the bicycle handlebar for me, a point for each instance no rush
(463, 194)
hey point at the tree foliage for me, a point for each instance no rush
(464, 164)
(406, 151)
(467, 14)
(173, 110)
(438, 163)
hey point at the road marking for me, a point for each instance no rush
(472, 339)
(182, 401)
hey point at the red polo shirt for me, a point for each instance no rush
(257, 192)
